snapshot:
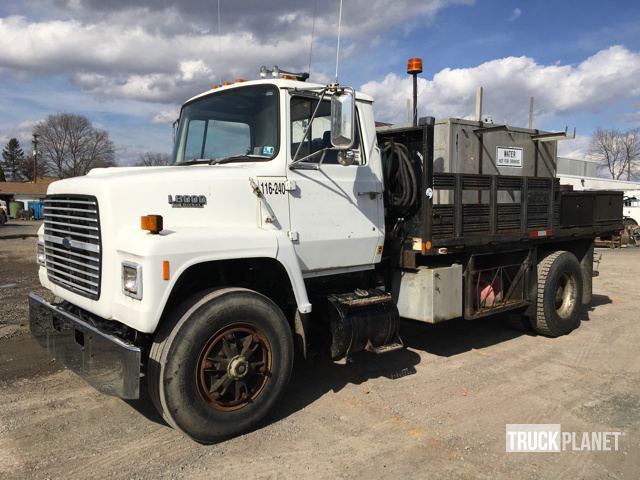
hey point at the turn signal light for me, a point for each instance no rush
(165, 270)
(152, 223)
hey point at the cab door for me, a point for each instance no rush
(336, 211)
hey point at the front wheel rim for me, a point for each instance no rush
(234, 367)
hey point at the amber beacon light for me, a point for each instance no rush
(414, 67)
(151, 223)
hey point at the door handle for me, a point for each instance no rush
(372, 195)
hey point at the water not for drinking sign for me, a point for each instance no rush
(509, 157)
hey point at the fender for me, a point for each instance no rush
(188, 246)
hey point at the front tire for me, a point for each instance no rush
(217, 369)
(559, 294)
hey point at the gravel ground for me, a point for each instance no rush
(435, 410)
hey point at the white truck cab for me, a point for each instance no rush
(312, 222)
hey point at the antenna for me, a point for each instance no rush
(219, 25)
(313, 31)
(338, 45)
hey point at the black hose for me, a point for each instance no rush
(401, 184)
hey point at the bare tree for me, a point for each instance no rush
(618, 152)
(631, 145)
(153, 159)
(70, 145)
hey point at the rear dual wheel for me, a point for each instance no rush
(559, 294)
(220, 364)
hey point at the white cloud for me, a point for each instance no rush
(609, 75)
(112, 60)
(267, 20)
(191, 69)
(159, 52)
(21, 131)
(166, 116)
(515, 14)
(577, 148)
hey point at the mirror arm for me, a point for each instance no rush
(306, 130)
(324, 154)
(299, 162)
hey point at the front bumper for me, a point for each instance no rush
(106, 362)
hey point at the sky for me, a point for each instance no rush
(128, 66)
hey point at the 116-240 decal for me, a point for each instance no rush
(273, 188)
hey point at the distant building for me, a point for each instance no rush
(583, 175)
(25, 191)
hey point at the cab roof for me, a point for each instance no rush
(279, 83)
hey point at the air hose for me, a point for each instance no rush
(401, 184)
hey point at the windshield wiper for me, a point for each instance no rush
(195, 161)
(219, 160)
(235, 158)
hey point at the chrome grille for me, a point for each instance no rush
(72, 243)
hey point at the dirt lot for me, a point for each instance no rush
(436, 410)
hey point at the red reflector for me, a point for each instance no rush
(540, 233)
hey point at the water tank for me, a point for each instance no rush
(471, 147)
(467, 146)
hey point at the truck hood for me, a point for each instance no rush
(226, 218)
(125, 194)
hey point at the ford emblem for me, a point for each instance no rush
(66, 243)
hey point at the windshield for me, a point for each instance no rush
(239, 122)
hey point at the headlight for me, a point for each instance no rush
(132, 279)
(40, 254)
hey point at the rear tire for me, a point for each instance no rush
(218, 368)
(559, 294)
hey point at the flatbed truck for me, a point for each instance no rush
(288, 224)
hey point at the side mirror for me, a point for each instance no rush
(174, 127)
(343, 115)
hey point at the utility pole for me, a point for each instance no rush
(35, 157)
(479, 104)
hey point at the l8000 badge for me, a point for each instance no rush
(187, 201)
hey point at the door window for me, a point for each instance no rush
(319, 135)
